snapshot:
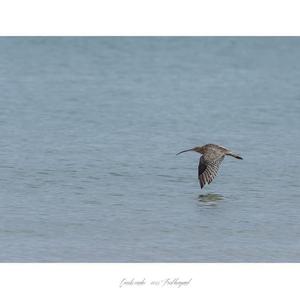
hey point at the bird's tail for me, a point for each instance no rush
(235, 155)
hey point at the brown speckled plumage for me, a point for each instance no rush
(210, 161)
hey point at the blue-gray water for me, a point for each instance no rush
(89, 132)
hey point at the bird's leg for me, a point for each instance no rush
(234, 155)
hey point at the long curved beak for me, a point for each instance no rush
(185, 151)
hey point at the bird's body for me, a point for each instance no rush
(212, 157)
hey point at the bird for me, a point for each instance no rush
(210, 161)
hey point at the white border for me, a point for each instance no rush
(103, 280)
(149, 17)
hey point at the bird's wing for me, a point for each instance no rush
(207, 170)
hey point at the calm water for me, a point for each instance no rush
(89, 132)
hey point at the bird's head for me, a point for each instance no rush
(197, 149)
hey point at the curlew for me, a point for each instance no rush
(210, 161)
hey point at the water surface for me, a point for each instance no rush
(89, 132)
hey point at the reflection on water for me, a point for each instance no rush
(210, 197)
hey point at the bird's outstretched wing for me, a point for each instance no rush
(207, 170)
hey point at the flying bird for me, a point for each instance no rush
(210, 161)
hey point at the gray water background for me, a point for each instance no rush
(89, 132)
